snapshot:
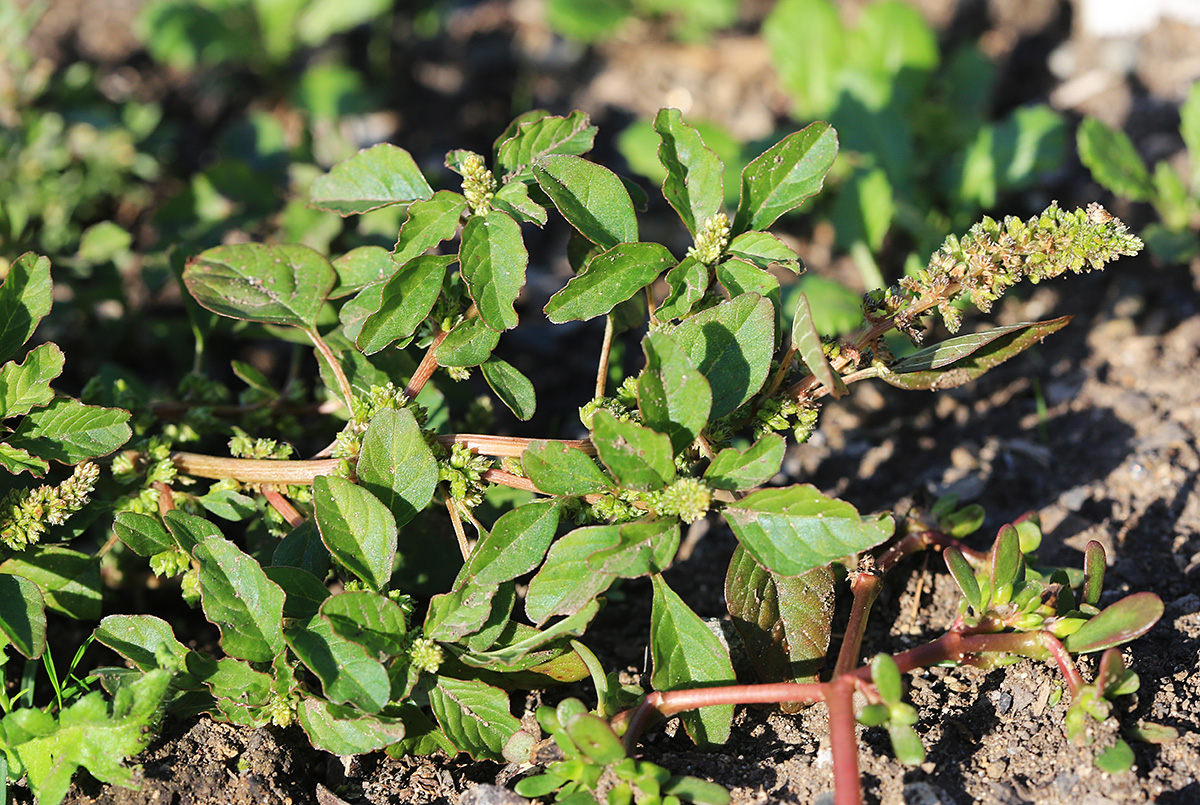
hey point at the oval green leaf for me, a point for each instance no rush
(379, 176)
(607, 280)
(784, 176)
(592, 198)
(358, 529)
(493, 260)
(272, 284)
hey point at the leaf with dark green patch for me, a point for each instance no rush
(239, 598)
(143, 534)
(964, 360)
(404, 302)
(67, 431)
(784, 621)
(430, 221)
(731, 344)
(380, 176)
(469, 343)
(638, 457)
(607, 280)
(784, 176)
(347, 673)
(396, 465)
(673, 396)
(687, 284)
(1126, 620)
(533, 139)
(345, 731)
(493, 260)
(686, 654)
(22, 615)
(511, 386)
(69, 580)
(565, 583)
(559, 469)
(25, 298)
(793, 529)
(303, 591)
(26, 385)
(694, 185)
(272, 284)
(592, 198)
(302, 548)
(812, 351)
(474, 716)
(357, 528)
(745, 469)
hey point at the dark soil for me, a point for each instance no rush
(1116, 458)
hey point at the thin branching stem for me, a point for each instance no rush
(334, 365)
(284, 506)
(425, 368)
(605, 352)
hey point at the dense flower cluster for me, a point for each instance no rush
(26, 514)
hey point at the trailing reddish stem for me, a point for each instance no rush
(843, 741)
(425, 369)
(284, 506)
(865, 585)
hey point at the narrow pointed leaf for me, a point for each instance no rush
(239, 598)
(964, 577)
(673, 396)
(374, 621)
(347, 674)
(607, 280)
(784, 621)
(404, 302)
(784, 176)
(745, 469)
(638, 457)
(273, 284)
(474, 716)
(67, 431)
(1127, 619)
(686, 654)
(793, 529)
(534, 139)
(396, 465)
(430, 222)
(559, 469)
(511, 386)
(25, 297)
(731, 344)
(591, 198)
(493, 260)
(916, 374)
(27, 384)
(812, 352)
(694, 185)
(955, 349)
(379, 176)
(358, 529)
(22, 615)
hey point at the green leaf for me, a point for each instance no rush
(964, 576)
(1126, 620)
(22, 615)
(1116, 758)
(95, 736)
(374, 621)
(144, 534)
(886, 676)
(793, 529)
(358, 268)
(345, 731)
(559, 469)
(138, 638)
(521, 654)
(534, 139)
(765, 250)
(283, 284)
(741, 277)
(565, 584)
(591, 198)
(357, 529)
(745, 469)
(638, 457)
(16, 461)
(347, 673)
(474, 716)
(430, 222)
(69, 580)
(1189, 129)
(469, 343)
(595, 738)
(607, 280)
(239, 598)
(693, 185)
(25, 297)
(511, 386)
(906, 744)
(493, 260)
(673, 396)
(731, 344)
(784, 176)
(1007, 560)
(241, 693)
(228, 504)
(396, 465)
(375, 177)
(1094, 565)
(514, 199)
(302, 548)
(69, 432)
(515, 545)
(693, 789)
(686, 654)
(961, 360)
(1113, 161)
(688, 282)
(404, 302)
(864, 209)
(26, 385)
(641, 548)
(784, 621)
(304, 592)
(807, 40)
(812, 352)
(1174, 205)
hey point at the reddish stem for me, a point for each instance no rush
(865, 585)
(425, 369)
(166, 498)
(843, 741)
(284, 506)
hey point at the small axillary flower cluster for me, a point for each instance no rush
(711, 240)
(27, 514)
(349, 441)
(463, 473)
(993, 256)
(687, 498)
(478, 185)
